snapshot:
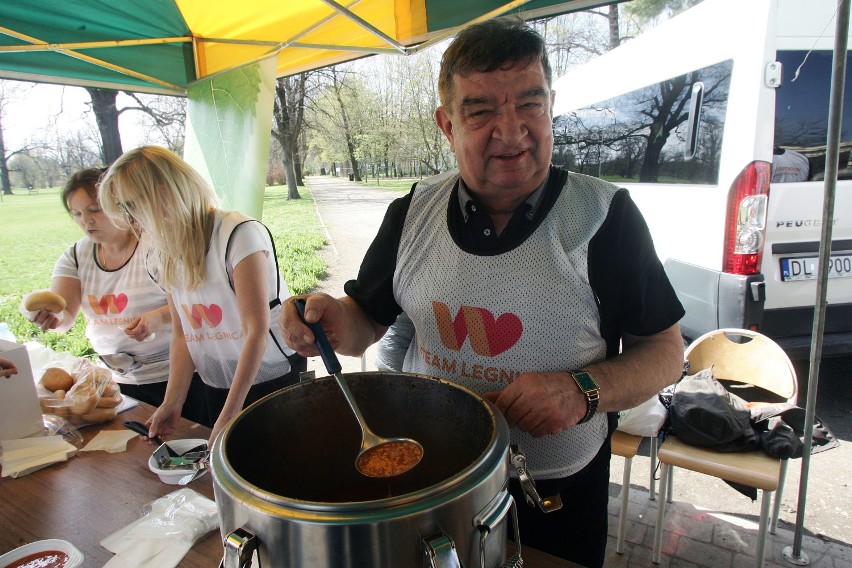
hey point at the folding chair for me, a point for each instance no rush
(757, 361)
(625, 445)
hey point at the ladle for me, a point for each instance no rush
(378, 457)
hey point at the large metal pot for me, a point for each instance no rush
(285, 480)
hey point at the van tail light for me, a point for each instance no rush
(745, 220)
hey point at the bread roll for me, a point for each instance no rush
(56, 378)
(101, 377)
(51, 404)
(109, 401)
(99, 415)
(44, 301)
(110, 389)
(82, 398)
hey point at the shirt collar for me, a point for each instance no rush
(532, 202)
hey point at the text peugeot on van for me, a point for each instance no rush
(716, 122)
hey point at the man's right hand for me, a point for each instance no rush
(318, 308)
(348, 328)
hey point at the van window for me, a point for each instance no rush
(801, 109)
(640, 136)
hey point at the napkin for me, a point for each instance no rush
(27, 455)
(162, 537)
(112, 441)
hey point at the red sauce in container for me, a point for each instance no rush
(43, 559)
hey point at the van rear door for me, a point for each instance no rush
(795, 208)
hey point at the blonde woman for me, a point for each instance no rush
(220, 271)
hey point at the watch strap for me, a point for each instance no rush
(590, 390)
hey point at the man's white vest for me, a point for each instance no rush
(483, 320)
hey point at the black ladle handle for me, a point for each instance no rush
(140, 428)
(329, 357)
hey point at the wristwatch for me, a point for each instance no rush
(590, 389)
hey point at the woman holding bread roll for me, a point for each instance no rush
(104, 275)
(224, 286)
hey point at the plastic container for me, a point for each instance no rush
(75, 557)
(6, 333)
(173, 476)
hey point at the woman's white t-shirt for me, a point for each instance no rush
(110, 301)
(210, 315)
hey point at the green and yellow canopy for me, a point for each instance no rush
(163, 46)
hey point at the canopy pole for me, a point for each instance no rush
(794, 554)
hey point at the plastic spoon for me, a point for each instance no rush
(378, 457)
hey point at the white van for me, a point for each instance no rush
(693, 117)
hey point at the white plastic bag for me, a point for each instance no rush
(645, 419)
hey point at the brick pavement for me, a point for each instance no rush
(697, 536)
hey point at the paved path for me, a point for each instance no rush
(351, 215)
(709, 524)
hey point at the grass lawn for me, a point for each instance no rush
(35, 229)
(392, 184)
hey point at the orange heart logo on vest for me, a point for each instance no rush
(199, 314)
(488, 336)
(108, 304)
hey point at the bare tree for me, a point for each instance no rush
(9, 92)
(574, 39)
(335, 117)
(649, 10)
(429, 145)
(166, 113)
(288, 119)
(106, 116)
(162, 116)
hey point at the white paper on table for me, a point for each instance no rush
(143, 553)
(26, 455)
(112, 441)
(161, 538)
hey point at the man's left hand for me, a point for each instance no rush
(541, 403)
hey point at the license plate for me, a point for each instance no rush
(807, 268)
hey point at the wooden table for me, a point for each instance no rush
(94, 494)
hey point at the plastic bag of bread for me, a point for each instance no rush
(84, 394)
(41, 300)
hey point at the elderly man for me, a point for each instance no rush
(538, 288)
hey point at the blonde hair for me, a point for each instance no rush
(170, 204)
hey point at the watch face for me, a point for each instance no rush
(585, 381)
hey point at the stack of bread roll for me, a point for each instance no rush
(85, 395)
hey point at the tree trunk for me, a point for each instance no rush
(288, 119)
(353, 163)
(300, 155)
(106, 115)
(5, 182)
(292, 188)
(614, 32)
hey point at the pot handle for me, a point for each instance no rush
(239, 547)
(489, 517)
(440, 551)
(519, 462)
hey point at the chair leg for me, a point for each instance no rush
(666, 471)
(670, 487)
(776, 508)
(765, 503)
(652, 484)
(622, 514)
